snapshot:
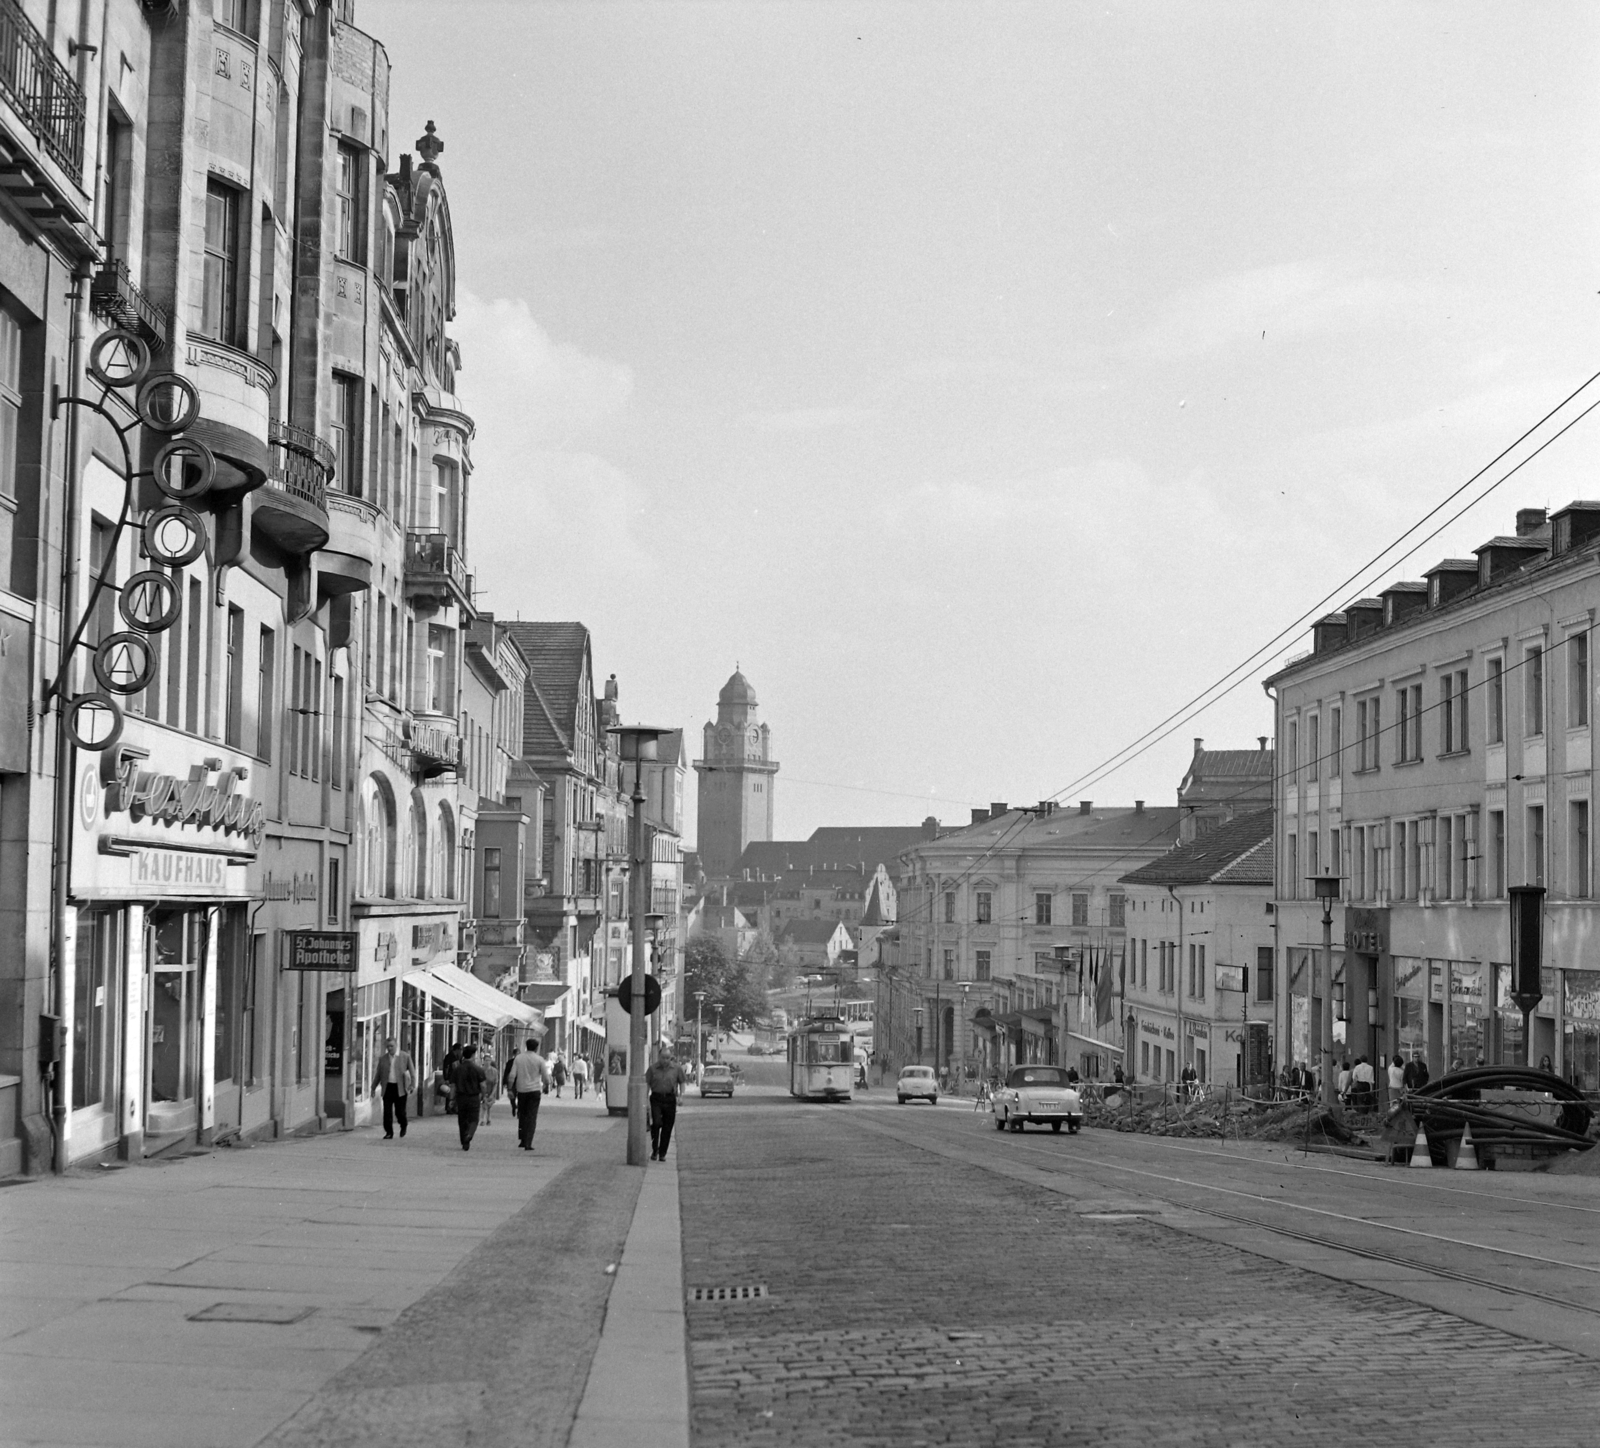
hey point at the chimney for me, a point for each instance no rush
(1084, 806)
(979, 816)
(1199, 744)
(1047, 807)
(1529, 521)
(1261, 739)
(930, 828)
(1138, 806)
(997, 808)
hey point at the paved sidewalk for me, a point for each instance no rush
(338, 1289)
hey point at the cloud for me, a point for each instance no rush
(513, 370)
(546, 500)
(807, 419)
(1292, 298)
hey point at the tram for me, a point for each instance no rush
(821, 1060)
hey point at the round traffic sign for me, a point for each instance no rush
(652, 995)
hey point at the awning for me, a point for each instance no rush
(476, 998)
(594, 1028)
(544, 993)
(1115, 1047)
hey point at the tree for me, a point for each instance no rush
(732, 984)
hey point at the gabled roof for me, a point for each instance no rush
(556, 655)
(873, 914)
(1231, 764)
(831, 847)
(1240, 849)
(810, 932)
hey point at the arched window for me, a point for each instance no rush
(377, 835)
(419, 844)
(444, 868)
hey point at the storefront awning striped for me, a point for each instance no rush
(476, 998)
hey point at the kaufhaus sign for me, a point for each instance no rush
(164, 817)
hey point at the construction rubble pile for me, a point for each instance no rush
(1519, 1119)
(1229, 1114)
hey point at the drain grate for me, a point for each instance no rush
(251, 1312)
(746, 1292)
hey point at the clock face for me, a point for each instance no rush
(755, 736)
(725, 733)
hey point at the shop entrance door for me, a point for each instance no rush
(176, 952)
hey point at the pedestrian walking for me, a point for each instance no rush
(527, 1078)
(665, 1080)
(580, 1077)
(558, 1074)
(469, 1084)
(394, 1076)
(446, 1080)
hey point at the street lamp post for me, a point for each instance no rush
(917, 1015)
(700, 1029)
(637, 744)
(1326, 888)
(965, 987)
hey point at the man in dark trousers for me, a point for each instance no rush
(469, 1095)
(665, 1080)
(394, 1077)
(527, 1078)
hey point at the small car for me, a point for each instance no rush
(1038, 1094)
(716, 1080)
(919, 1082)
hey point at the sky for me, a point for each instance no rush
(988, 380)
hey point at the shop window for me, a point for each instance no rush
(176, 954)
(98, 991)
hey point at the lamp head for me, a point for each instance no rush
(1325, 887)
(636, 743)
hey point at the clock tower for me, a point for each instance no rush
(737, 773)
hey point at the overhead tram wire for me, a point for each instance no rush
(1188, 711)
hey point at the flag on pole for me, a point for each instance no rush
(1104, 1002)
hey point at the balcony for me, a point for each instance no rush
(41, 90)
(436, 569)
(435, 747)
(292, 510)
(113, 296)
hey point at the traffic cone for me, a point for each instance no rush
(1419, 1149)
(1467, 1155)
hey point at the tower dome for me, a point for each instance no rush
(737, 691)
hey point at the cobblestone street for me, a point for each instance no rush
(912, 1299)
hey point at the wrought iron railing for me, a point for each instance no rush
(40, 89)
(434, 553)
(302, 463)
(113, 295)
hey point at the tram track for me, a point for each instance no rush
(1209, 1199)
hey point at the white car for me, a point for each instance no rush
(918, 1082)
(1040, 1094)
